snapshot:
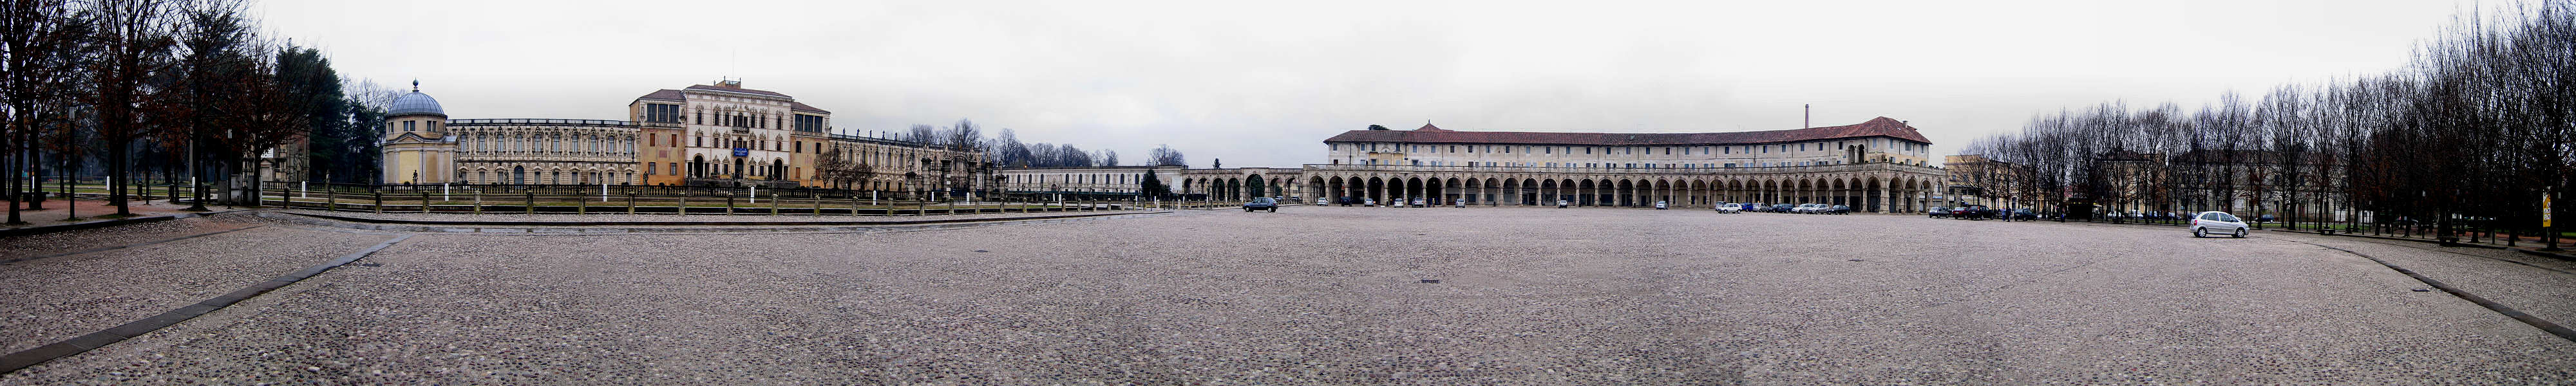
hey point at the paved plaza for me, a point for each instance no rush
(1308, 295)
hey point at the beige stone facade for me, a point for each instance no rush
(715, 134)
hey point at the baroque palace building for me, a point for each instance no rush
(1880, 165)
(718, 134)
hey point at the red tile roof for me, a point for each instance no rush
(664, 94)
(1879, 127)
(800, 106)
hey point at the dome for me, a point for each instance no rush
(415, 103)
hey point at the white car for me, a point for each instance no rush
(1730, 208)
(1319, 202)
(1417, 203)
(1803, 208)
(1659, 205)
(2215, 222)
(1368, 202)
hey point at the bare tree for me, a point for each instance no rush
(1163, 155)
(133, 40)
(41, 52)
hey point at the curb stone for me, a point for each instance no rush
(22, 359)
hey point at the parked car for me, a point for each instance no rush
(1806, 208)
(1319, 202)
(2024, 215)
(2206, 223)
(1560, 204)
(1938, 212)
(1261, 203)
(1417, 203)
(1782, 208)
(1368, 202)
(1659, 205)
(1838, 209)
(1730, 208)
(1972, 212)
(2264, 218)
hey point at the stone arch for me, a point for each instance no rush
(1529, 192)
(1376, 189)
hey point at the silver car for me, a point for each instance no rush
(2216, 222)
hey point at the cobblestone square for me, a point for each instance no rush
(1338, 295)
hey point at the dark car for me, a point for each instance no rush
(1938, 212)
(1262, 203)
(1972, 212)
(2024, 215)
(1838, 209)
(1782, 208)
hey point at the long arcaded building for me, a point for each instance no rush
(1879, 166)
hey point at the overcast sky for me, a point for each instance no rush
(1262, 84)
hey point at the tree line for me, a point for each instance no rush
(177, 90)
(2471, 133)
(966, 139)
(1006, 150)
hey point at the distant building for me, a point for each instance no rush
(716, 134)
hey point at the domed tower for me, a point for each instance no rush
(415, 141)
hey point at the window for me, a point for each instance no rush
(407, 125)
(648, 168)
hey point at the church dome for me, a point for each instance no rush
(415, 103)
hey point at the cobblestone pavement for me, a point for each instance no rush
(54, 298)
(621, 217)
(1337, 295)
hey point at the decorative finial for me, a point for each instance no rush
(415, 85)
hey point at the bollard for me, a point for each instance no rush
(854, 205)
(478, 201)
(532, 201)
(380, 201)
(728, 202)
(424, 202)
(818, 203)
(773, 201)
(684, 203)
(630, 202)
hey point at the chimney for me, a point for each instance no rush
(1811, 117)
